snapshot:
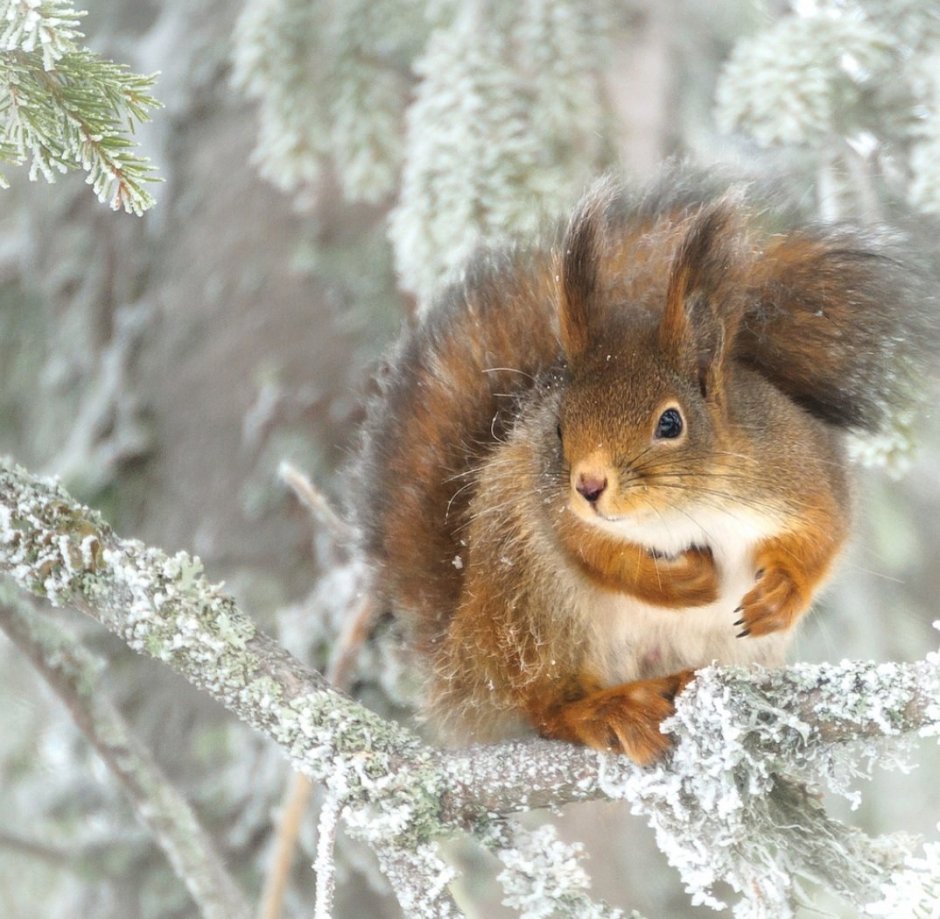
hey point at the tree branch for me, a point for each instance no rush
(339, 674)
(744, 737)
(73, 673)
(293, 807)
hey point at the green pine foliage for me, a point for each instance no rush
(63, 107)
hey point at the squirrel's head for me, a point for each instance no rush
(643, 416)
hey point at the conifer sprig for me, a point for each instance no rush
(64, 107)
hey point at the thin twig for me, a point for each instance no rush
(87, 858)
(325, 866)
(54, 855)
(357, 629)
(316, 502)
(293, 806)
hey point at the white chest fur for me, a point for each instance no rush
(630, 640)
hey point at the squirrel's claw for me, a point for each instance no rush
(772, 605)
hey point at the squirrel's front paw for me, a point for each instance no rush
(692, 575)
(772, 605)
(623, 719)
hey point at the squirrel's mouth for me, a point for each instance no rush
(613, 509)
(662, 531)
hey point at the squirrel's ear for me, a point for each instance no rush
(582, 251)
(698, 317)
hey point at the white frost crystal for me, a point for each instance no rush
(542, 872)
(736, 802)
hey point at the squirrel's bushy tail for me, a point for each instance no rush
(842, 319)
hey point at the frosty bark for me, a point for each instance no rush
(72, 673)
(419, 878)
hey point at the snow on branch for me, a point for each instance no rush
(852, 69)
(736, 803)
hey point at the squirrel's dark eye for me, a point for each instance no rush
(558, 431)
(669, 425)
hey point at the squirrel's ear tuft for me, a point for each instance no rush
(582, 252)
(700, 297)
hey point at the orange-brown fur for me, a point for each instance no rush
(543, 379)
(689, 579)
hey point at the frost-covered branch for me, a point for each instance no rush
(73, 674)
(542, 873)
(64, 107)
(856, 72)
(162, 606)
(107, 430)
(750, 744)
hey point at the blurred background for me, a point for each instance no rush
(324, 166)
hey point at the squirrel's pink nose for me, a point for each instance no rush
(591, 486)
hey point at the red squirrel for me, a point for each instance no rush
(598, 465)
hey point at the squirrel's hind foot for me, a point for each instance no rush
(622, 719)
